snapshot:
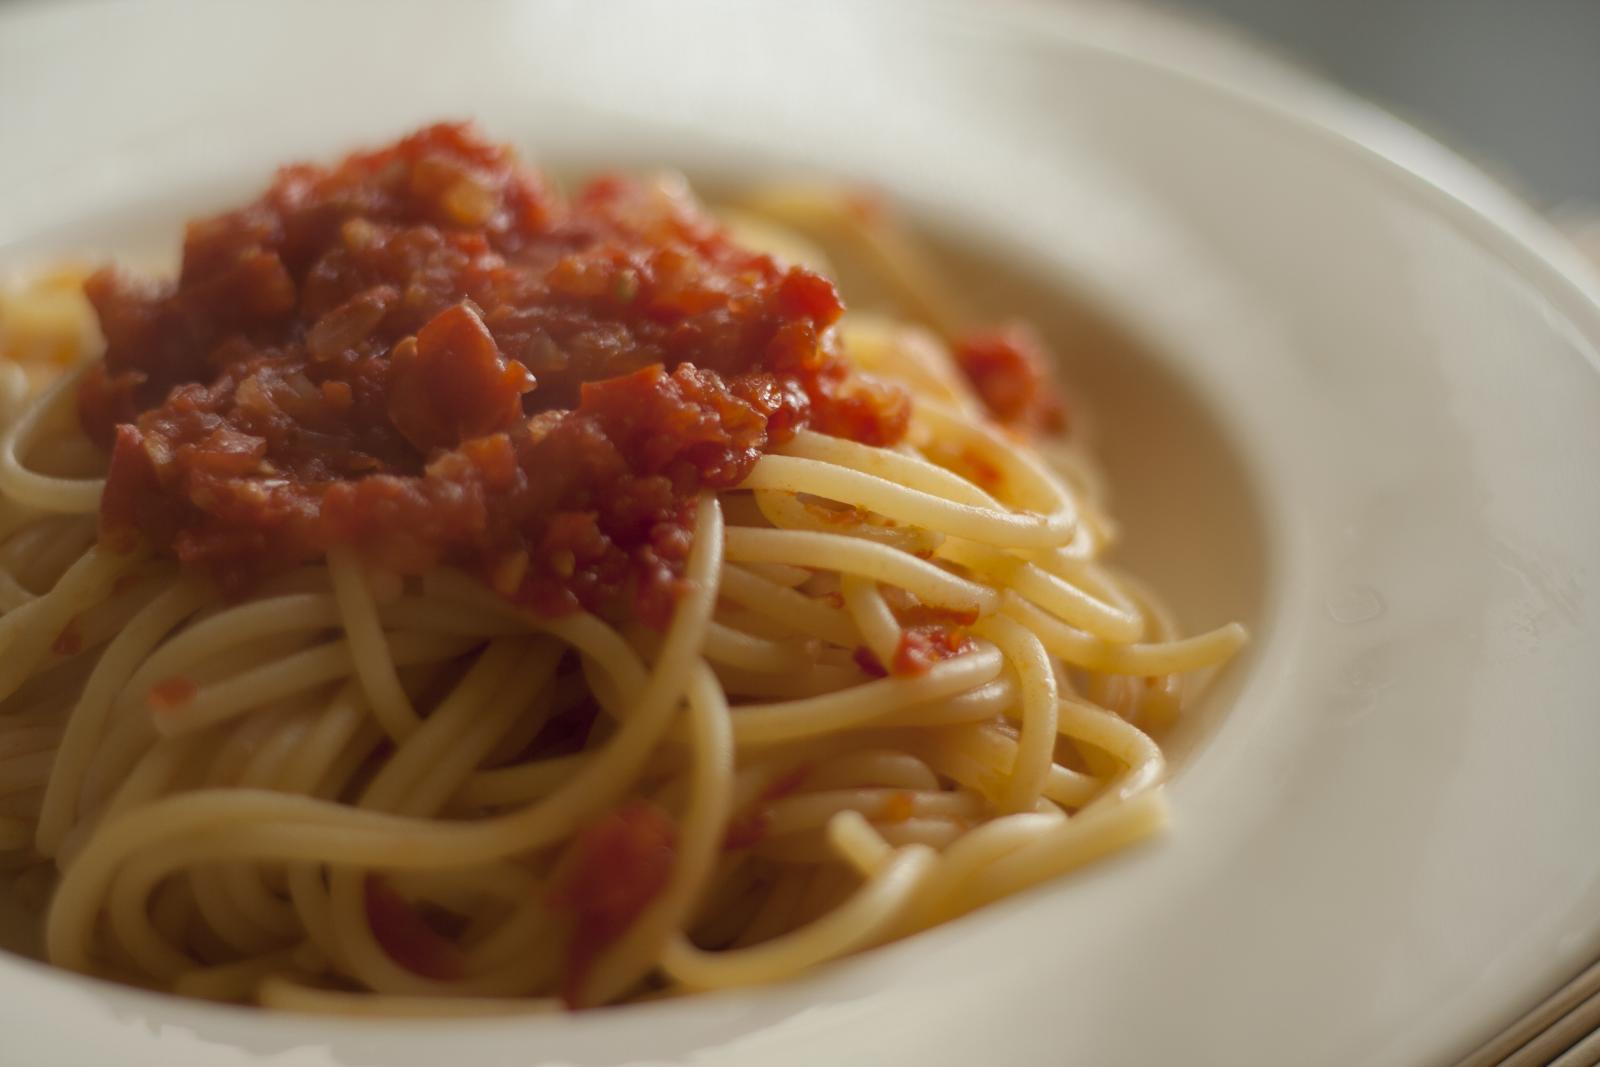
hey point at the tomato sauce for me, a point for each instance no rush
(613, 870)
(748, 828)
(405, 936)
(928, 635)
(1010, 370)
(427, 354)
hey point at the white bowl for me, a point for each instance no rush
(1370, 426)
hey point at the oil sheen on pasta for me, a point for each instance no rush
(446, 596)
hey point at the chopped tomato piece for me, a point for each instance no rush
(450, 384)
(170, 694)
(1009, 369)
(923, 646)
(612, 871)
(405, 935)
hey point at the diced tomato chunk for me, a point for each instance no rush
(450, 383)
(1010, 370)
(922, 646)
(405, 936)
(612, 871)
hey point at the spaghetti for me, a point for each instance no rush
(273, 731)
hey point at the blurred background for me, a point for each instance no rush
(1513, 85)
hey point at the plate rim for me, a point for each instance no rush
(1450, 186)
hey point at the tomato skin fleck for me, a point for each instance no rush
(749, 827)
(899, 807)
(985, 475)
(69, 642)
(170, 695)
(426, 354)
(869, 663)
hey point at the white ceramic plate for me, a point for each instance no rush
(1389, 845)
